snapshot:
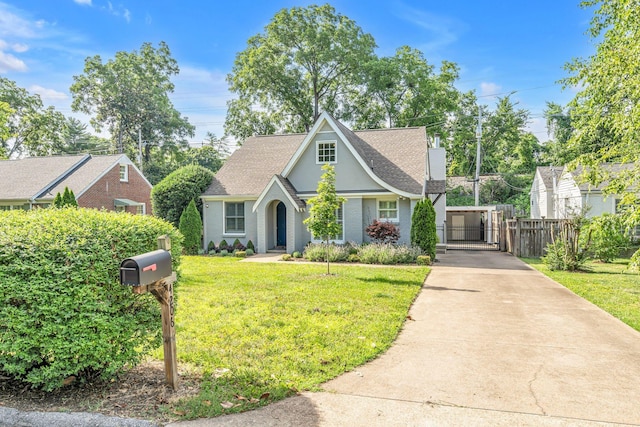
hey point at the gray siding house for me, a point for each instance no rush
(261, 191)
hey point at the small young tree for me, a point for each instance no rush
(423, 227)
(323, 219)
(66, 199)
(191, 228)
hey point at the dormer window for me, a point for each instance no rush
(326, 152)
(124, 173)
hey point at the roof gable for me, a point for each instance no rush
(394, 159)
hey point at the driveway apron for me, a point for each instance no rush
(489, 341)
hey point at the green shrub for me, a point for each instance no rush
(224, 246)
(191, 229)
(250, 246)
(63, 311)
(385, 253)
(353, 258)
(240, 254)
(423, 260)
(211, 247)
(318, 252)
(249, 252)
(172, 195)
(566, 251)
(634, 262)
(296, 254)
(423, 227)
(224, 252)
(606, 237)
(286, 257)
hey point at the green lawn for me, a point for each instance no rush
(261, 332)
(609, 286)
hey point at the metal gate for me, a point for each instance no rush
(484, 236)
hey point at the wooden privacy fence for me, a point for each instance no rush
(528, 237)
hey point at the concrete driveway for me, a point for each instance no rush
(491, 343)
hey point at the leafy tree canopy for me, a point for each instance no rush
(306, 60)
(27, 126)
(128, 95)
(606, 110)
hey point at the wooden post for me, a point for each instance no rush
(162, 290)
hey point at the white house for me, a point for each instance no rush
(261, 191)
(558, 193)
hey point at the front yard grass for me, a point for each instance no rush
(261, 332)
(609, 286)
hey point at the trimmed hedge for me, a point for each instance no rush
(63, 311)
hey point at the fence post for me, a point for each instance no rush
(517, 243)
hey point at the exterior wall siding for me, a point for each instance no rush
(213, 223)
(101, 195)
(349, 174)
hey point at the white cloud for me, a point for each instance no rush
(201, 95)
(489, 89)
(127, 15)
(48, 95)
(119, 11)
(9, 62)
(19, 47)
(12, 25)
(442, 30)
(83, 2)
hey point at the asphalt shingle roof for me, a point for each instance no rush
(397, 156)
(23, 179)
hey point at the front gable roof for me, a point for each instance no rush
(393, 158)
(287, 188)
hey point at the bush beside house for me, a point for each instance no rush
(172, 195)
(423, 227)
(63, 312)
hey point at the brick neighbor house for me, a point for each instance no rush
(102, 182)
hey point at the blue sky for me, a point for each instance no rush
(500, 46)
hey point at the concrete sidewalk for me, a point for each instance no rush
(492, 343)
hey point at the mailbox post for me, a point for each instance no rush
(151, 272)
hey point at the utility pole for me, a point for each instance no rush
(476, 181)
(140, 148)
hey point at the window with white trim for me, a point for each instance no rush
(326, 152)
(124, 173)
(234, 217)
(388, 210)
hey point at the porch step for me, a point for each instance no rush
(276, 251)
(441, 248)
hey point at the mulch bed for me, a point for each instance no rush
(138, 393)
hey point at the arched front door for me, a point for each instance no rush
(281, 225)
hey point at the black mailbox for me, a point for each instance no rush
(145, 269)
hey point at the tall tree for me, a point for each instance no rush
(557, 151)
(29, 127)
(404, 90)
(507, 146)
(461, 129)
(306, 61)
(606, 111)
(323, 220)
(129, 96)
(78, 140)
